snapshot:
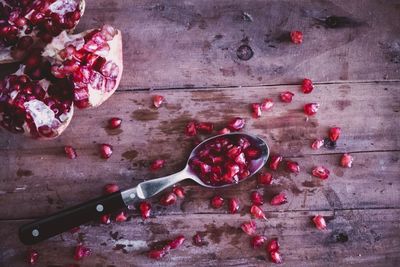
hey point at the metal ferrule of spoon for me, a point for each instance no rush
(67, 219)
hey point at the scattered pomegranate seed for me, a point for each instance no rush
(71, 152)
(249, 227)
(256, 198)
(106, 151)
(279, 199)
(275, 257)
(32, 256)
(267, 104)
(121, 217)
(217, 202)
(177, 242)
(205, 127)
(158, 100)
(319, 222)
(257, 212)
(320, 172)
(105, 219)
(190, 129)
(257, 241)
(198, 240)
(286, 97)
(334, 133)
(265, 178)
(145, 209)
(75, 230)
(157, 253)
(81, 252)
(110, 188)
(168, 199)
(317, 144)
(236, 124)
(293, 166)
(296, 37)
(157, 164)
(233, 205)
(307, 86)
(274, 162)
(256, 110)
(224, 131)
(179, 191)
(311, 109)
(346, 161)
(114, 123)
(272, 245)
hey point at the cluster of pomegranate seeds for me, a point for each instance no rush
(160, 253)
(346, 160)
(158, 100)
(81, 252)
(292, 166)
(249, 227)
(257, 212)
(106, 151)
(168, 199)
(296, 37)
(121, 217)
(317, 144)
(157, 164)
(272, 249)
(267, 104)
(145, 209)
(233, 205)
(320, 172)
(311, 108)
(114, 123)
(256, 198)
(217, 202)
(286, 96)
(110, 188)
(319, 222)
(274, 162)
(179, 191)
(279, 199)
(334, 133)
(236, 124)
(265, 178)
(307, 86)
(257, 241)
(32, 256)
(255, 110)
(70, 152)
(224, 160)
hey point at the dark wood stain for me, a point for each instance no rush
(113, 131)
(343, 104)
(22, 172)
(145, 115)
(130, 154)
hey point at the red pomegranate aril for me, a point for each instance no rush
(179, 191)
(252, 153)
(32, 256)
(334, 133)
(168, 199)
(346, 160)
(198, 240)
(257, 241)
(70, 152)
(307, 86)
(256, 110)
(224, 131)
(114, 123)
(317, 144)
(204, 127)
(275, 161)
(275, 257)
(81, 252)
(293, 166)
(272, 245)
(320, 172)
(236, 124)
(319, 222)
(249, 227)
(311, 109)
(105, 219)
(106, 151)
(279, 199)
(157, 253)
(256, 198)
(177, 242)
(121, 217)
(296, 37)
(190, 129)
(257, 212)
(265, 178)
(145, 209)
(158, 100)
(110, 188)
(217, 202)
(286, 96)
(233, 205)
(157, 164)
(267, 104)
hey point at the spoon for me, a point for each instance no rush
(67, 219)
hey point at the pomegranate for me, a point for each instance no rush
(293, 166)
(114, 123)
(275, 161)
(256, 198)
(145, 209)
(168, 199)
(190, 129)
(110, 188)
(81, 252)
(265, 178)
(296, 37)
(157, 164)
(317, 144)
(257, 212)
(311, 109)
(319, 222)
(158, 100)
(204, 127)
(334, 133)
(32, 256)
(217, 202)
(177, 242)
(307, 86)
(275, 256)
(286, 96)
(257, 241)
(236, 124)
(106, 151)
(179, 191)
(346, 160)
(320, 172)
(272, 245)
(249, 227)
(22, 22)
(70, 152)
(233, 205)
(105, 219)
(267, 104)
(255, 110)
(279, 199)
(121, 217)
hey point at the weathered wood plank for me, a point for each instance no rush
(354, 238)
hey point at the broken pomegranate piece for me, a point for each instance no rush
(256, 110)
(334, 133)
(157, 164)
(217, 202)
(70, 152)
(257, 241)
(320, 172)
(267, 104)
(296, 37)
(81, 252)
(110, 188)
(190, 129)
(249, 227)
(257, 212)
(145, 209)
(265, 178)
(275, 161)
(346, 160)
(114, 123)
(236, 124)
(286, 96)
(158, 100)
(256, 198)
(319, 222)
(168, 199)
(317, 144)
(307, 86)
(311, 109)
(204, 127)
(279, 199)
(121, 217)
(233, 205)
(179, 191)
(32, 256)
(106, 151)
(275, 257)
(272, 245)
(293, 166)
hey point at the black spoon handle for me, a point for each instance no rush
(67, 219)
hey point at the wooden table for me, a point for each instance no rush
(187, 51)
